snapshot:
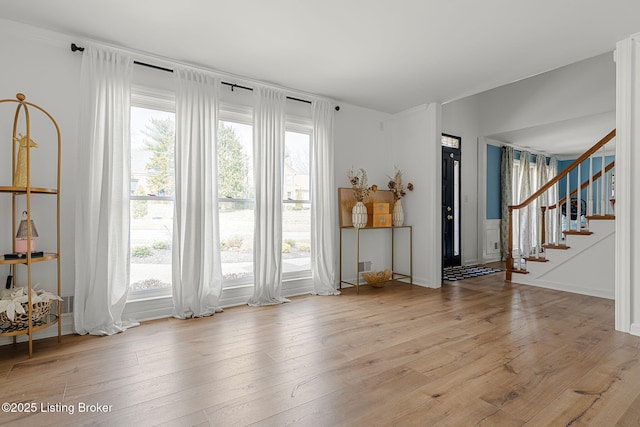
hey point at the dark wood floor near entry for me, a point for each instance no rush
(476, 352)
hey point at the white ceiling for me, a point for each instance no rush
(567, 139)
(388, 55)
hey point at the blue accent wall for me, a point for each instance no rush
(494, 156)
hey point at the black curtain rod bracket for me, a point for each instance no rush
(76, 48)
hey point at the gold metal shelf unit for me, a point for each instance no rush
(21, 192)
(394, 275)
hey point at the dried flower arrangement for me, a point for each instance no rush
(397, 187)
(359, 182)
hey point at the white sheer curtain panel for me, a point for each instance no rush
(197, 272)
(323, 204)
(103, 185)
(506, 192)
(268, 146)
(524, 191)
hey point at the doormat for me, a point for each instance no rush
(464, 272)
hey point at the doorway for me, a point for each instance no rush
(451, 158)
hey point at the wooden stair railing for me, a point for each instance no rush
(584, 185)
(575, 164)
(562, 201)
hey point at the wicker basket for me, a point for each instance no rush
(378, 279)
(40, 310)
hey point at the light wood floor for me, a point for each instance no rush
(476, 352)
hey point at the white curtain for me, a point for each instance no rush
(323, 204)
(197, 274)
(268, 147)
(506, 192)
(103, 185)
(524, 191)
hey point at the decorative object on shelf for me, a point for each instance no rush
(359, 215)
(14, 305)
(359, 182)
(22, 243)
(378, 279)
(397, 216)
(361, 189)
(20, 174)
(397, 187)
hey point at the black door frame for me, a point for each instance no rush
(449, 155)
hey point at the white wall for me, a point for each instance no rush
(41, 65)
(378, 143)
(417, 150)
(461, 119)
(362, 140)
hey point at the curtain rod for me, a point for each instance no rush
(76, 48)
(515, 147)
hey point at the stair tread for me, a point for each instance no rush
(552, 246)
(520, 271)
(578, 233)
(601, 217)
(533, 259)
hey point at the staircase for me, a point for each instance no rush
(574, 249)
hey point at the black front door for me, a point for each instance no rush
(451, 204)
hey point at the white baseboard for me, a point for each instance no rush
(635, 329)
(566, 288)
(420, 281)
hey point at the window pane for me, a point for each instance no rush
(450, 141)
(152, 187)
(235, 181)
(296, 237)
(296, 214)
(151, 238)
(235, 160)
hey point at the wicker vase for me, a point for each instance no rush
(359, 215)
(397, 216)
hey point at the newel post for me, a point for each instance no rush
(543, 232)
(510, 246)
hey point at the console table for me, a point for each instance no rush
(395, 275)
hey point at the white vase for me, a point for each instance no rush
(397, 217)
(359, 215)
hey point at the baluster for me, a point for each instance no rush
(557, 214)
(603, 192)
(567, 201)
(529, 231)
(609, 178)
(578, 200)
(590, 188)
(509, 245)
(543, 231)
(613, 191)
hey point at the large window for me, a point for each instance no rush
(152, 191)
(152, 196)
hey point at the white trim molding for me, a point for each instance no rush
(626, 133)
